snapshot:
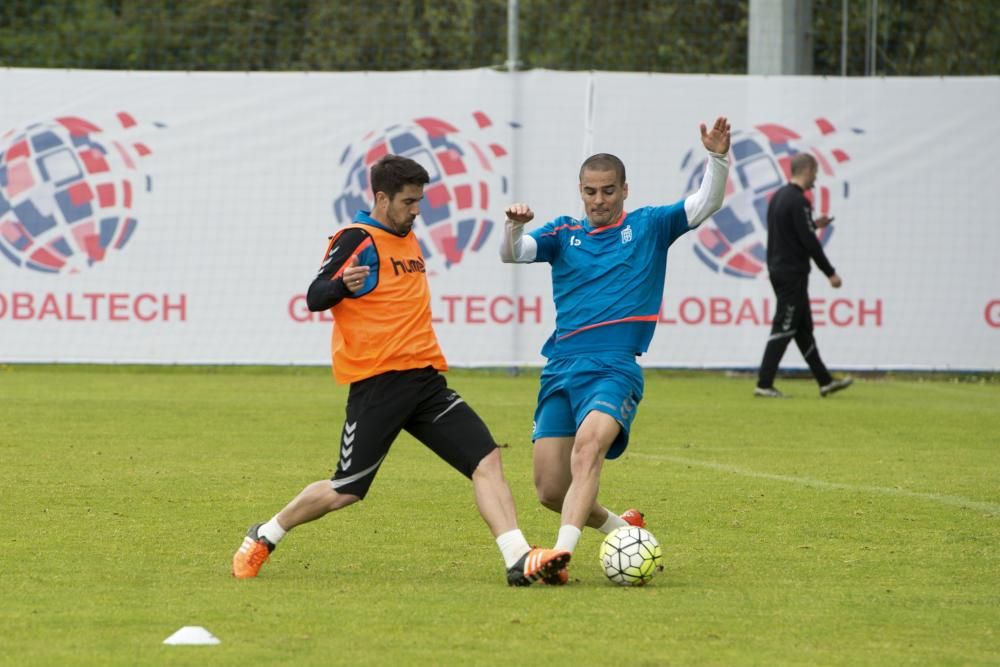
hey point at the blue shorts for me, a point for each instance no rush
(571, 387)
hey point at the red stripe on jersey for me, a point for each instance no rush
(637, 318)
(570, 227)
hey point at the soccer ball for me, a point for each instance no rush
(631, 556)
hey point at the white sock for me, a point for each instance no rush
(569, 535)
(513, 545)
(272, 531)
(614, 521)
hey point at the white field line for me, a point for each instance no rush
(956, 501)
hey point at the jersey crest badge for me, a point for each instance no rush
(626, 234)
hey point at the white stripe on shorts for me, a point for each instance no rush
(343, 481)
(457, 401)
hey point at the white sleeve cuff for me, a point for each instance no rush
(516, 246)
(708, 199)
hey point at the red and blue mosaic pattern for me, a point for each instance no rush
(465, 179)
(734, 240)
(67, 192)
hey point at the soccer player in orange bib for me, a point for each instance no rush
(384, 346)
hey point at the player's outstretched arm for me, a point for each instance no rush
(708, 199)
(515, 247)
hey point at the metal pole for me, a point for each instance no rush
(871, 45)
(843, 39)
(512, 36)
(874, 43)
(513, 65)
(868, 37)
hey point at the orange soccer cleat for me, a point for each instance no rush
(634, 517)
(538, 564)
(251, 555)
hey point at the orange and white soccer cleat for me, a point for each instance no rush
(251, 555)
(634, 517)
(538, 564)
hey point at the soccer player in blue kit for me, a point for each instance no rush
(608, 273)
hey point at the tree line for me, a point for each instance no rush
(915, 37)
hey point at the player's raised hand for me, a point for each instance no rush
(717, 138)
(520, 213)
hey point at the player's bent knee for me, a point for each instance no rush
(489, 466)
(551, 491)
(586, 451)
(550, 498)
(551, 485)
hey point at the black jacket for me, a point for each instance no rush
(791, 234)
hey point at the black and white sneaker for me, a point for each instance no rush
(835, 386)
(767, 392)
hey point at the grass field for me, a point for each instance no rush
(857, 530)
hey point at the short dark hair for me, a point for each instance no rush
(604, 162)
(393, 172)
(801, 162)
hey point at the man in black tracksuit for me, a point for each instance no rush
(791, 244)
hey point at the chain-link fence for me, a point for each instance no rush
(855, 37)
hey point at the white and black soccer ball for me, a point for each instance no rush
(631, 556)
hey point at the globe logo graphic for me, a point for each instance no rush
(465, 176)
(68, 190)
(734, 240)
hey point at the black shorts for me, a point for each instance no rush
(418, 401)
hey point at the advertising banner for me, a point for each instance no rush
(162, 217)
